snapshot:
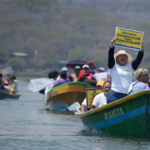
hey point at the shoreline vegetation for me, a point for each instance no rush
(49, 31)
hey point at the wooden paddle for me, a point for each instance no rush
(77, 109)
(74, 107)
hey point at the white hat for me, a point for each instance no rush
(85, 66)
(123, 52)
(101, 68)
(64, 69)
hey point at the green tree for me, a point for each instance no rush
(16, 63)
(51, 60)
(2, 57)
(75, 54)
(35, 2)
(35, 5)
(98, 61)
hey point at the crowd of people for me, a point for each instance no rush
(9, 85)
(118, 84)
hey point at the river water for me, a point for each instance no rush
(27, 124)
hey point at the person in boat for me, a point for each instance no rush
(83, 78)
(8, 77)
(121, 69)
(12, 85)
(53, 76)
(4, 88)
(100, 70)
(64, 69)
(1, 76)
(100, 74)
(70, 78)
(142, 78)
(15, 82)
(87, 69)
(75, 75)
(63, 79)
(101, 99)
(91, 67)
(99, 85)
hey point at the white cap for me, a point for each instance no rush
(101, 68)
(64, 69)
(85, 66)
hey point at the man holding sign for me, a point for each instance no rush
(121, 67)
(128, 38)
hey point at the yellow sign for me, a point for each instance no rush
(128, 38)
(90, 94)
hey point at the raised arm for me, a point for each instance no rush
(111, 60)
(139, 58)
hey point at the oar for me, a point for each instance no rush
(75, 106)
(77, 109)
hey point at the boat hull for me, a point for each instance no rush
(4, 95)
(61, 97)
(127, 116)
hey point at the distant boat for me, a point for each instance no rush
(127, 116)
(62, 96)
(4, 95)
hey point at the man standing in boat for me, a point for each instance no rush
(121, 69)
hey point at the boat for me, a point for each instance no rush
(4, 95)
(62, 96)
(128, 116)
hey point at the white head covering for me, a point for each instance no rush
(123, 52)
(85, 66)
(101, 68)
(64, 69)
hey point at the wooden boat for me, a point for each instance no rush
(127, 116)
(62, 96)
(4, 95)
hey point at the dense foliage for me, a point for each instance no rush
(53, 30)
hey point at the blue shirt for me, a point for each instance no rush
(92, 71)
(140, 86)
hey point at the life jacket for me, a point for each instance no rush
(13, 87)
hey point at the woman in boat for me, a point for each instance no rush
(83, 78)
(101, 99)
(121, 69)
(142, 77)
(63, 79)
(99, 85)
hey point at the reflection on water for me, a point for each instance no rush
(27, 124)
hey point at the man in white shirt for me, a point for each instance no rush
(101, 99)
